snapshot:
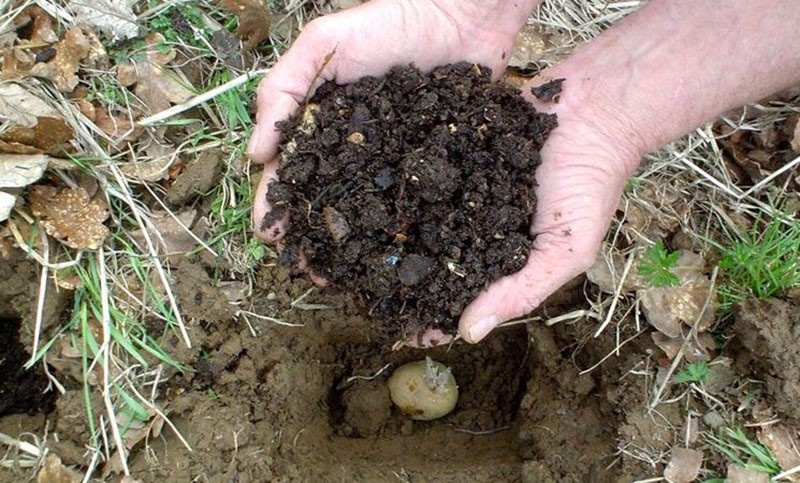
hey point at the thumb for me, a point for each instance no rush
(555, 260)
(310, 62)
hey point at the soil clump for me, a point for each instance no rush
(413, 191)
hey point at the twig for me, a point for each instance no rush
(364, 378)
(106, 350)
(200, 98)
(789, 472)
(21, 445)
(617, 295)
(314, 80)
(37, 328)
(247, 313)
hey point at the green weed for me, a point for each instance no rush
(657, 264)
(738, 448)
(761, 263)
(694, 372)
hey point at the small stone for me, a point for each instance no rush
(336, 223)
(684, 465)
(356, 138)
(385, 178)
(713, 419)
(414, 268)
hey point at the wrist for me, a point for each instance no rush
(674, 65)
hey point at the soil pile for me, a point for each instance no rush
(412, 191)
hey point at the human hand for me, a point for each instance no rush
(586, 162)
(369, 40)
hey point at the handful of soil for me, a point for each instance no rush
(412, 191)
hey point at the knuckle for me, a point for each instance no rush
(317, 30)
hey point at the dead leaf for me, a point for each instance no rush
(694, 348)
(226, 48)
(118, 127)
(783, 443)
(17, 170)
(41, 25)
(70, 215)
(7, 202)
(254, 21)
(795, 142)
(669, 308)
(51, 135)
(684, 465)
(171, 235)
(154, 170)
(607, 270)
(740, 474)
(20, 107)
(114, 18)
(151, 80)
(54, 471)
(63, 68)
(6, 242)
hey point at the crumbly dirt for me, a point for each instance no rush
(413, 191)
(769, 333)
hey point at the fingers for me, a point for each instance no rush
(427, 338)
(576, 202)
(554, 261)
(269, 230)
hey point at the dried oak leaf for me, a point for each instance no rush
(63, 68)
(19, 106)
(70, 215)
(34, 125)
(151, 80)
(253, 19)
(51, 135)
(41, 24)
(114, 18)
(17, 171)
(669, 308)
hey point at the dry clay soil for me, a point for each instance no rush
(280, 406)
(276, 403)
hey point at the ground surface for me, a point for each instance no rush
(281, 406)
(412, 191)
(285, 381)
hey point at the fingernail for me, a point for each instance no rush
(481, 328)
(252, 146)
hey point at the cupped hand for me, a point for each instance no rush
(369, 40)
(586, 162)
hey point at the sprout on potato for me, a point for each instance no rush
(423, 390)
